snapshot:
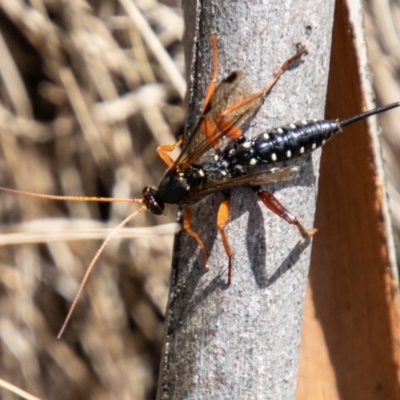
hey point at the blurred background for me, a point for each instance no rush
(382, 28)
(88, 90)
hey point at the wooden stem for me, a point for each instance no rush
(242, 341)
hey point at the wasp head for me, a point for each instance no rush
(152, 201)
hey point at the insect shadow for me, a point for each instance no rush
(257, 250)
(186, 281)
(255, 242)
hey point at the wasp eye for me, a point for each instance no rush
(152, 201)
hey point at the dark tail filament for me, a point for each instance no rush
(368, 114)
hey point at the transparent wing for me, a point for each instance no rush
(228, 92)
(256, 179)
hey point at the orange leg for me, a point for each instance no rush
(276, 207)
(166, 148)
(265, 90)
(222, 220)
(187, 219)
(214, 72)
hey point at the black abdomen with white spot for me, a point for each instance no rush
(287, 142)
(279, 144)
(283, 143)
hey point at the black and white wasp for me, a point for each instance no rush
(218, 157)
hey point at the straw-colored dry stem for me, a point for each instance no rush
(84, 102)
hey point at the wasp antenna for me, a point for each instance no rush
(70, 198)
(368, 114)
(92, 264)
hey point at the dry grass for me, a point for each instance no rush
(383, 38)
(86, 97)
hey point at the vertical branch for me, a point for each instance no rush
(242, 341)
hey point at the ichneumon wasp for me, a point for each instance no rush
(218, 157)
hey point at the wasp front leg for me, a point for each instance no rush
(207, 127)
(222, 220)
(187, 220)
(167, 148)
(279, 209)
(214, 73)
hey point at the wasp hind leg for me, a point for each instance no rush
(261, 93)
(279, 209)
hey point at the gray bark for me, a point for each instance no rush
(242, 341)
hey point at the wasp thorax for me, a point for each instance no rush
(152, 201)
(175, 186)
(172, 187)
